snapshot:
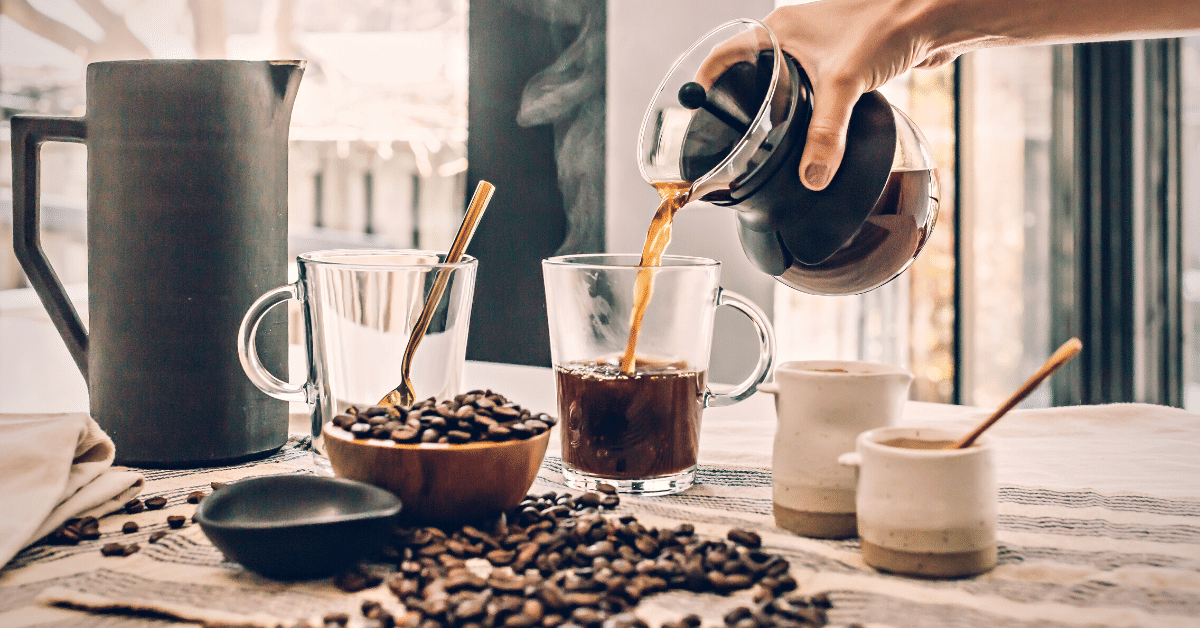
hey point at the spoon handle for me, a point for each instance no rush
(403, 394)
(1068, 350)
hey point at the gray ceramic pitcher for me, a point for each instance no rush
(186, 226)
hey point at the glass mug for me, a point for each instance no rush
(359, 310)
(638, 431)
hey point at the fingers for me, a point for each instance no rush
(743, 47)
(826, 143)
(937, 59)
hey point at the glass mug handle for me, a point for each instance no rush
(766, 351)
(248, 355)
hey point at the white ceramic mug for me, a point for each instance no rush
(925, 512)
(821, 406)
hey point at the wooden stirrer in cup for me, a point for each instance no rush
(1068, 350)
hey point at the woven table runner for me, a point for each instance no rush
(1069, 558)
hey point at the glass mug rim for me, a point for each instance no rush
(352, 259)
(605, 261)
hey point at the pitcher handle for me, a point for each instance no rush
(766, 351)
(248, 353)
(28, 135)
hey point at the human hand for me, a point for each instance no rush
(847, 48)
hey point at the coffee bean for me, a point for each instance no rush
(521, 620)
(607, 489)
(176, 521)
(89, 529)
(589, 499)
(500, 558)
(344, 421)
(216, 486)
(371, 609)
(357, 580)
(195, 496)
(129, 550)
(129, 527)
(65, 535)
(157, 536)
(134, 506)
(361, 430)
(736, 615)
(405, 434)
(156, 503)
(506, 411)
(338, 619)
(113, 549)
(745, 537)
(785, 583)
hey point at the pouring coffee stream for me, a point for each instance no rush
(674, 196)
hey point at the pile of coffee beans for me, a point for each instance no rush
(557, 560)
(479, 415)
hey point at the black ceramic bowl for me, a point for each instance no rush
(294, 527)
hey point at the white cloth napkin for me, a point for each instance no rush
(54, 467)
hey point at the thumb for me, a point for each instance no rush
(826, 143)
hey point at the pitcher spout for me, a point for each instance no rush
(286, 75)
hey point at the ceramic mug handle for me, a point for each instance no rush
(766, 351)
(248, 355)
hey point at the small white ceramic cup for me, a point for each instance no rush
(925, 512)
(821, 406)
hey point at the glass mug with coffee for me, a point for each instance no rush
(632, 381)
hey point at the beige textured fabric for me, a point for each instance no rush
(1099, 526)
(52, 468)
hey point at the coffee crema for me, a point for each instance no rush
(917, 443)
(619, 425)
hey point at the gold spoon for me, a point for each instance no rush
(403, 394)
(1068, 350)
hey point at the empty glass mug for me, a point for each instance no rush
(637, 427)
(359, 310)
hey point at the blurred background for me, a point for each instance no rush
(406, 103)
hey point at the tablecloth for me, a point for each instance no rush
(1099, 526)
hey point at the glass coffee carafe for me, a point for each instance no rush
(736, 138)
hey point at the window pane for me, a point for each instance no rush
(1190, 147)
(1006, 209)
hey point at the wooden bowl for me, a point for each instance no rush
(441, 484)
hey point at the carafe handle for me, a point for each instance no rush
(766, 351)
(248, 353)
(28, 134)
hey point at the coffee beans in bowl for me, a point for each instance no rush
(457, 460)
